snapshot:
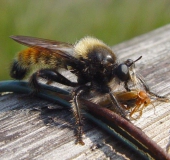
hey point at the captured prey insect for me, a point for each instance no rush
(94, 64)
(134, 100)
(137, 100)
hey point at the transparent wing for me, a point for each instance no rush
(44, 43)
(62, 49)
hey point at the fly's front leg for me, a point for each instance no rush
(118, 109)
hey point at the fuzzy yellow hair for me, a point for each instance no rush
(86, 44)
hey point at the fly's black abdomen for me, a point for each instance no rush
(17, 71)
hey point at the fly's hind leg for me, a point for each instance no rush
(77, 115)
(51, 76)
(118, 107)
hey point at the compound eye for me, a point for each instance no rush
(122, 72)
(108, 60)
(129, 62)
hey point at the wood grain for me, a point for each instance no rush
(26, 133)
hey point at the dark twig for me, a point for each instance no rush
(135, 132)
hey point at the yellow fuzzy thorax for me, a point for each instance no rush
(86, 44)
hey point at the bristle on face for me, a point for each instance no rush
(87, 44)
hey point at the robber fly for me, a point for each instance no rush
(94, 64)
